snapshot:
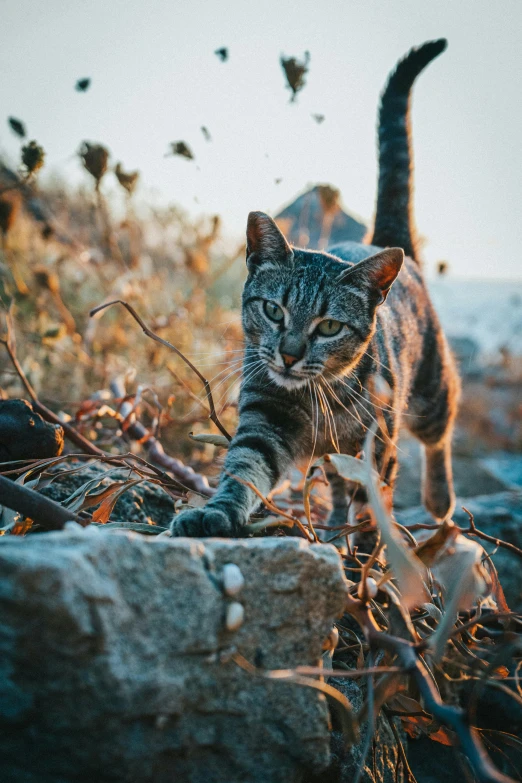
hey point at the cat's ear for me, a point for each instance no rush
(379, 271)
(265, 242)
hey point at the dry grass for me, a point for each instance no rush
(175, 271)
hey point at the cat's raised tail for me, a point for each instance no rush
(394, 223)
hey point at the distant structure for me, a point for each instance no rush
(316, 219)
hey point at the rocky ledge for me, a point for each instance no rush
(118, 657)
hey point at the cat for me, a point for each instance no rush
(323, 330)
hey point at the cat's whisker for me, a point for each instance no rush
(359, 402)
(386, 439)
(237, 364)
(219, 364)
(362, 401)
(356, 418)
(377, 361)
(202, 395)
(370, 402)
(335, 442)
(355, 413)
(316, 418)
(314, 429)
(384, 407)
(192, 410)
(324, 408)
(239, 367)
(251, 376)
(219, 355)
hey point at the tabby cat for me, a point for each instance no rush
(323, 330)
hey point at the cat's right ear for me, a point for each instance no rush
(265, 242)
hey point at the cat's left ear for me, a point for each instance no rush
(265, 242)
(379, 271)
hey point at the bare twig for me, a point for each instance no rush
(370, 728)
(146, 470)
(40, 509)
(474, 531)
(137, 431)
(188, 390)
(186, 476)
(403, 759)
(72, 434)
(484, 619)
(453, 717)
(213, 414)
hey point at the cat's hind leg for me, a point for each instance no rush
(339, 499)
(431, 415)
(438, 494)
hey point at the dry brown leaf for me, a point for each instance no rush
(295, 72)
(103, 513)
(429, 549)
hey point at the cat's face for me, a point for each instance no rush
(307, 313)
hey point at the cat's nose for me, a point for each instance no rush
(292, 348)
(289, 360)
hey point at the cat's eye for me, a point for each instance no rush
(329, 327)
(273, 311)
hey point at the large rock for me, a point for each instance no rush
(25, 435)
(115, 658)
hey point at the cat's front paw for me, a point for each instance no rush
(203, 523)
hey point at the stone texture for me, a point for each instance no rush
(471, 476)
(146, 503)
(114, 659)
(382, 759)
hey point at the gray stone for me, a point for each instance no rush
(382, 761)
(146, 503)
(471, 476)
(115, 660)
(506, 467)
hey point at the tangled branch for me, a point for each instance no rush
(407, 655)
(212, 410)
(39, 508)
(188, 479)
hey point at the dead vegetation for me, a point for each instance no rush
(427, 626)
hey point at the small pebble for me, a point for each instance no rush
(73, 527)
(235, 616)
(371, 588)
(233, 579)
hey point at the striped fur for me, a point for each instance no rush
(303, 393)
(394, 224)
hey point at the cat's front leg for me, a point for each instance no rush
(263, 448)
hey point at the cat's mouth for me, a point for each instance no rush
(288, 378)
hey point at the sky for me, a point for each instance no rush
(156, 79)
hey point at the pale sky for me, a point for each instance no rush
(156, 79)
